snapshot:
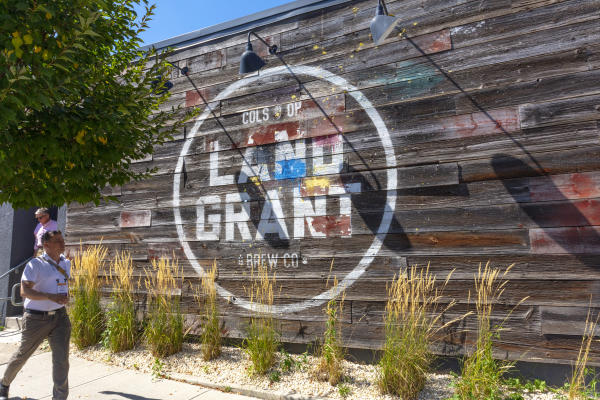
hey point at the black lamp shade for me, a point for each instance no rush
(250, 61)
(159, 89)
(382, 26)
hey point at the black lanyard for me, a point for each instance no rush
(58, 267)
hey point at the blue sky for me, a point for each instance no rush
(176, 17)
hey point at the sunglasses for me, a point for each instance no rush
(40, 217)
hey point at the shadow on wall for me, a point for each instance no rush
(563, 226)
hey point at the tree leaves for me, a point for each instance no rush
(76, 103)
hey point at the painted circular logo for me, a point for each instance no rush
(281, 124)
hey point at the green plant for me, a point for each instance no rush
(332, 353)
(519, 385)
(262, 340)
(121, 325)
(482, 375)
(287, 362)
(275, 376)
(2, 327)
(344, 390)
(164, 323)
(157, 369)
(211, 332)
(86, 314)
(227, 389)
(577, 386)
(412, 319)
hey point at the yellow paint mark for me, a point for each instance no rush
(323, 52)
(293, 96)
(415, 23)
(255, 180)
(355, 10)
(316, 184)
(316, 47)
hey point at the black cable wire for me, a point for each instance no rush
(477, 105)
(273, 50)
(185, 71)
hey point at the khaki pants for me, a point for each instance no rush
(36, 328)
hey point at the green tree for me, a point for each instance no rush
(78, 99)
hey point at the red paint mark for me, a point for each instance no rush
(575, 240)
(568, 186)
(480, 124)
(333, 225)
(327, 140)
(267, 134)
(192, 98)
(590, 210)
(435, 42)
(132, 219)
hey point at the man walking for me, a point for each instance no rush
(44, 285)
(45, 224)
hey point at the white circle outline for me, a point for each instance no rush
(390, 204)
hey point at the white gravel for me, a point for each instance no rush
(232, 368)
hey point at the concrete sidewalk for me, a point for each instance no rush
(91, 380)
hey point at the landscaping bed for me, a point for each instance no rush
(293, 374)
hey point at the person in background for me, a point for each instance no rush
(45, 287)
(45, 224)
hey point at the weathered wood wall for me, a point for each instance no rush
(497, 160)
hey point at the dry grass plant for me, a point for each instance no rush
(262, 341)
(164, 322)
(482, 375)
(87, 317)
(121, 323)
(331, 352)
(412, 322)
(207, 300)
(578, 389)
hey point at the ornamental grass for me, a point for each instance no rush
(163, 329)
(482, 375)
(121, 324)
(207, 300)
(262, 341)
(331, 352)
(87, 317)
(412, 320)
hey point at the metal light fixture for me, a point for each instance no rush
(250, 61)
(160, 89)
(383, 24)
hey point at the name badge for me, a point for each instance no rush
(62, 287)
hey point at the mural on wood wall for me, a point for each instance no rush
(473, 136)
(298, 182)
